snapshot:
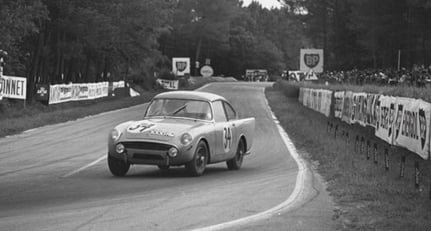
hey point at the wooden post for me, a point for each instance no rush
(375, 154)
(417, 175)
(386, 159)
(402, 166)
(368, 149)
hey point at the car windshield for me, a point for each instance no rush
(194, 109)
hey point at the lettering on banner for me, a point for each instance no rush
(13, 87)
(398, 120)
(410, 126)
(83, 91)
(370, 110)
(391, 118)
(339, 103)
(423, 127)
(347, 107)
(376, 111)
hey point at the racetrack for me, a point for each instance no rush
(56, 178)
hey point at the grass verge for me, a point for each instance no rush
(368, 196)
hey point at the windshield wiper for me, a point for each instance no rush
(177, 110)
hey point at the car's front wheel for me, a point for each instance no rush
(197, 166)
(118, 167)
(236, 162)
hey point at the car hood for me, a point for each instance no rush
(163, 129)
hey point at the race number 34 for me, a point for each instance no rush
(227, 138)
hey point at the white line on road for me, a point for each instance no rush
(293, 198)
(85, 167)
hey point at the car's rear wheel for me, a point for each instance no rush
(197, 166)
(236, 162)
(118, 167)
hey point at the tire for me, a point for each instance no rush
(117, 167)
(236, 162)
(197, 165)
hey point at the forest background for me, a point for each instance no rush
(62, 41)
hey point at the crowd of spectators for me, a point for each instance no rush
(419, 76)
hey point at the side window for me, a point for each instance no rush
(230, 112)
(218, 111)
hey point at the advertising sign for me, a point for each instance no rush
(168, 84)
(339, 104)
(207, 71)
(385, 125)
(311, 60)
(181, 66)
(42, 91)
(62, 93)
(13, 87)
(412, 125)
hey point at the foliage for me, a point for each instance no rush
(167, 74)
(57, 41)
(366, 33)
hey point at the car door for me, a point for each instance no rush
(223, 132)
(231, 117)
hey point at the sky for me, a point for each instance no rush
(265, 3)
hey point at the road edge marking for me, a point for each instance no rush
(85, 167)
(285, 205)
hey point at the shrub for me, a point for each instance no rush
(166, 74)
(289, 90)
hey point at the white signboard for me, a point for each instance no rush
(317, 99)
(300, 76)
(386, 120)
(181, 66)
(62, 93)
(13, 87)
(311, 60)
(412, 123)
(168, 84)
(339, 103)
(207, 71)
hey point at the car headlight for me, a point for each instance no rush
(173, 152)
(186, 139)
(115, 134)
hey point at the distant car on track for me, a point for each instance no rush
(188, 128)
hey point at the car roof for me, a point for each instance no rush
(192, 95)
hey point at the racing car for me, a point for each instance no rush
(182, 128)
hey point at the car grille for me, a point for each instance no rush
(147, 146)
(147, 156)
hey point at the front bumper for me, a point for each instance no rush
(151, 153)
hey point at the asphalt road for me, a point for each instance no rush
(56, 178)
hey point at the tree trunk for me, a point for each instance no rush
(198, 53)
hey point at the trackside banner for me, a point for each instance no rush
(338, 104)
(400, 121)
(387, 114)
(412, 125)
(168, 84)
(62, 93)
(13, 87)
(347, 107)
(317, 99)
(301, 76)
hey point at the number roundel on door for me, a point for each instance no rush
(227, 138)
